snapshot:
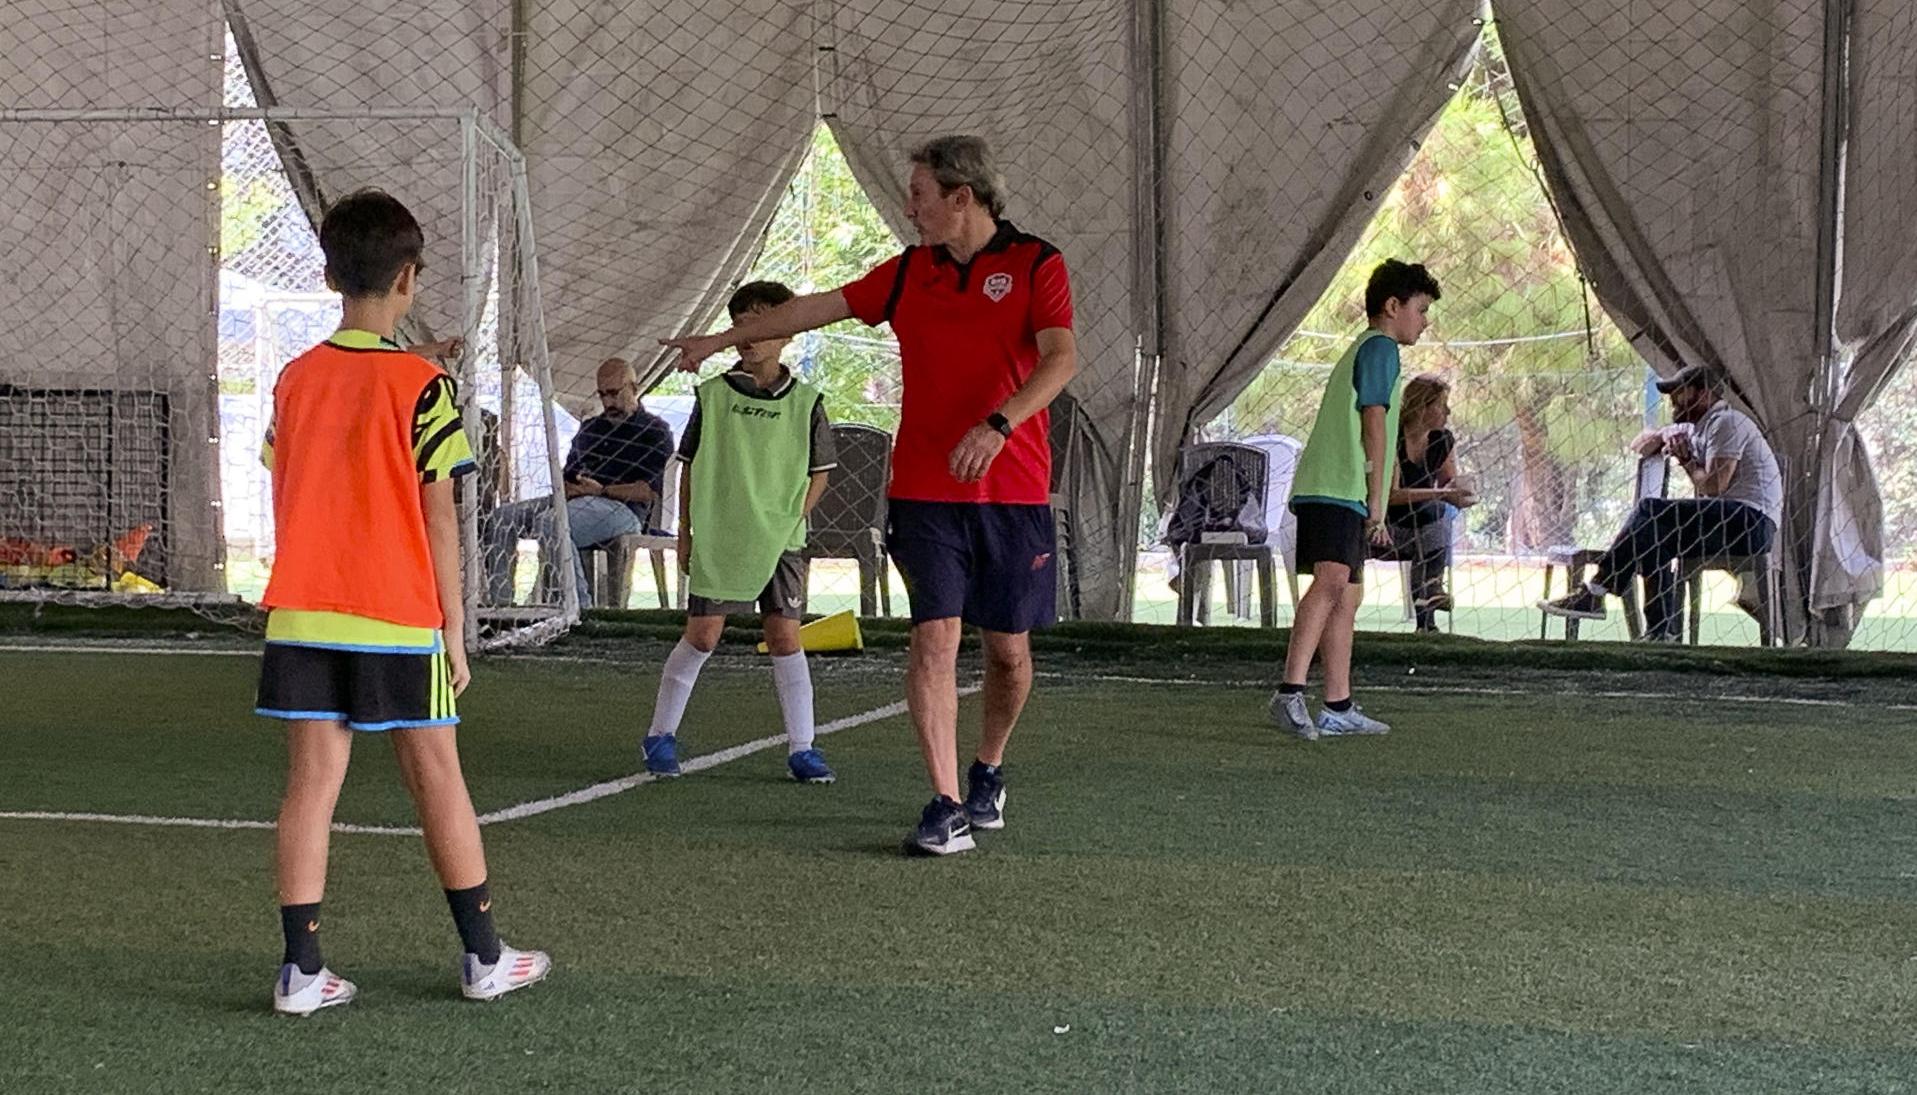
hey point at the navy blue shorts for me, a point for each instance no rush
(987, 563)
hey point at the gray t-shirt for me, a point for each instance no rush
(1729, 434)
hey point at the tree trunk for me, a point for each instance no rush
(1546, 505)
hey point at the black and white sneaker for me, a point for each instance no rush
(943, 829)
(1582, 605)
(985, 796)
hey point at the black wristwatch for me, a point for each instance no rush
(1000, 423)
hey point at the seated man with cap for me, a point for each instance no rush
(1738, 505)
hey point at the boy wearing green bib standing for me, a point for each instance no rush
(1338, 493)
(754, 461)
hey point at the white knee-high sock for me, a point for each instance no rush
(794, 681)
(675, 686)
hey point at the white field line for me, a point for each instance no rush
(696, 764)
(510, 813)
(627, 783)
(189, 822)
(103, 648)
(1107, 678)
(1478, 690)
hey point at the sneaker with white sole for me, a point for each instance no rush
(1350, 723)
(1582, 605)
(985, 796)
(1290, 712)
(944, 829)
(296, 993)
(514, 970)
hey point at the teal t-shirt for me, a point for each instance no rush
(1331, 469)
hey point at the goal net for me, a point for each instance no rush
(170, 270)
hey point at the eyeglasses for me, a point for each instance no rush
(612, 393)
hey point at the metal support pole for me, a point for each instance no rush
(1150, 289)
(1832, 142)
(541, 367)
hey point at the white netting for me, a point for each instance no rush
(1695, 221)
(108, 440)
(483, 290)
(1545, 393)
(1731, 186)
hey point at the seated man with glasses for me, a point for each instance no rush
(612, 479)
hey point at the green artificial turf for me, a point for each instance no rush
(1548, 892)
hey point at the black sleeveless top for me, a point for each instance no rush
(1421, 475)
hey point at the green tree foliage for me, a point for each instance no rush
(247, 208)
(825, 234)
(1542, 408)
(1886, 427)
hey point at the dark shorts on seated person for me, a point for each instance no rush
(990, 564)
(1330, 533)
(783, 596)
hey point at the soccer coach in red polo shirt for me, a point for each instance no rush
(983, 315)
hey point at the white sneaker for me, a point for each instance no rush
(297, 993)
(514, 970)
(1338, 724)
(1289, 711)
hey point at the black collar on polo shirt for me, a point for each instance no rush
(1002, 238)
(745, 383)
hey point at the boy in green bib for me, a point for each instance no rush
(1338, 493)
(754, 460)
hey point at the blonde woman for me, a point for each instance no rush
(1427, 486)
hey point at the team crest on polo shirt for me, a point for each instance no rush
(998, 287)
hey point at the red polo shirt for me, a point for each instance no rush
(968, 340)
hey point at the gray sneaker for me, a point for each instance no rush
(1289, 711)
(1340, 724)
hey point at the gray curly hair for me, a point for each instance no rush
(964, 161)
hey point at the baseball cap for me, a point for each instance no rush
(1693, 376)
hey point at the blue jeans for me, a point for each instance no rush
(592, 519)
(1426, 547)
(1661, 532)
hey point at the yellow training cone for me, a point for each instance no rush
(834, 634)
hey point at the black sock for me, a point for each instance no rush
(473, 916)
(300, 925)
(1340, 706)
(1289, 689)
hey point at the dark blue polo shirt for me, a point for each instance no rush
(618, 451)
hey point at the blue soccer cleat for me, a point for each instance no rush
(662, 755)
(808, 766)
